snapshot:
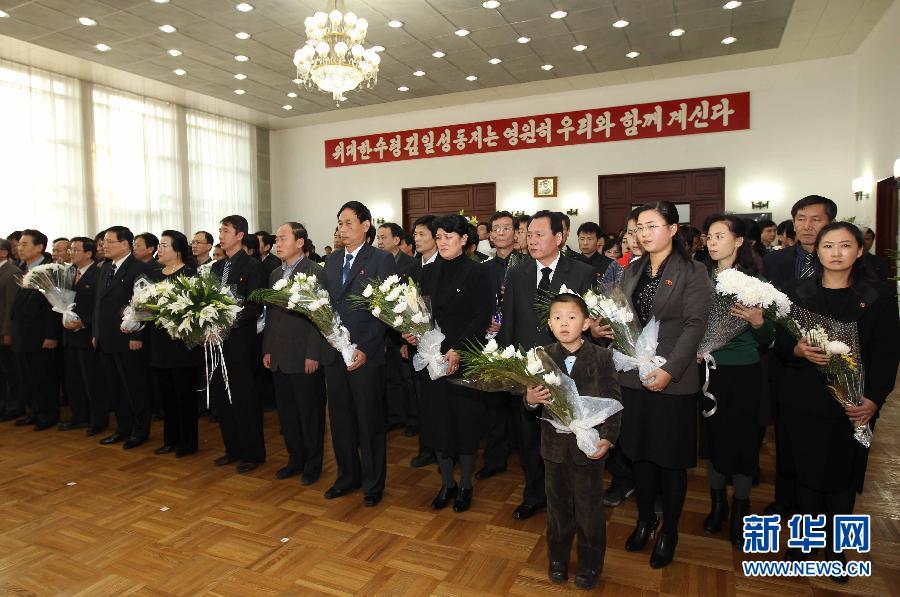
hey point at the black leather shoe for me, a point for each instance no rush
(641, 534)
(113, 439)
(718, 511)
(223, 460)
(488, 472)
(26, 421)
(558, 572)
(308, 479)
(92, 431)
(739, 509)
(164, 450)
(133, 442)
(44, 426)
(422, 459)
(587, 579)
(70, 426)
(336, 492)
(180, 453)
(372, 500)
(617, 493)
(463, 500)
(443, 497)
(664, 550)
(246, 466)
(527, 510)
(285, 472)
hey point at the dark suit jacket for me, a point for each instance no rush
(520, 320)
(682, 309)
(33, 320)
(9, 288)
(405, 264)
(111, 302)
(779, 266)
(595, 375)
(245, 275)
(271, 263)
(366, 331)
(461, 301)
(289, 337)
(85, 297)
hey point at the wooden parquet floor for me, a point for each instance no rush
(77, 518)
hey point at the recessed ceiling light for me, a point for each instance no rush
(438, 54)
(167, 29)
(462, 32)
(287, 107)
(378, 48)
(403, 88)
(729, 40)
(621, 23)
(579, 48)
(633, 54)
(559, 14)
(240, 76)
(495, 61)
(244, 7)
(547, 67)
(103, 47)
(174, 53)
(676, 32)
(419, 73)
(180, 72)
(395, 24)
(732, 5)
(242, 35)
(87, 21)
(239, 92)
(4, 14)
(241, 58)
(523, 40)
(471, 78)
(490, 4)
(161, 1)
(292, 94)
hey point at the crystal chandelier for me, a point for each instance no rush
(333, 58)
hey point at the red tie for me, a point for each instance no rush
(77, 275)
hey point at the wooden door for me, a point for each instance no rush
(479, 200)
(886, 220)
(703, 190)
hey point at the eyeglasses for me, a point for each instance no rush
(651, 228)
(501, 229)
(199, 242)
(164, 245)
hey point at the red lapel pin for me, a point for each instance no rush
(668, 282)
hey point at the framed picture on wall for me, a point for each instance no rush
(545, 186)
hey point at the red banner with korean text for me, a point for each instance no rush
(711, 114)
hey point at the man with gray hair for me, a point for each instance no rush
(10, 398)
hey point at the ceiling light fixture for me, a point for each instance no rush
(632, 54)
(4, 14)
(103, 47)
(174, 53)
(523, 40)
(167, 29)
(471, 78)
(241, 58)
(292, 94)
(438, 54)
(333, 59)
(732, 5)
(559, 14)
(495, 61)
(244, 7)
(240, 76)
(378, 48)
(87, 21)
(547, 67)
(419, 73)
(729, 40)
(242, 35)
(161, 1)
(462, 32)
(403, 88)
(580, 48)
(490, 4)
(180, 72)
(287, 107)
(395, 24)
(621, 23)
(239, 92)
(676, 32)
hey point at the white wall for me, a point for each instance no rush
(801, 141)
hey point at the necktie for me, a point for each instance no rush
(77, 275)
(112, 274)
(346, 271)
(544, 284)
(807, 267)
(225, 271)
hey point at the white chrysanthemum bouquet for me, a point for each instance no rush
(55, 281)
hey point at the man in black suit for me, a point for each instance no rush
(266, 243)
(240, 414)
(123, 357)
(201, 245)
(88, 398)
(400, 398)
(146, 244)
(810, 215)
(262, 377)
(36, 330)
(11, 406)
(543, 276)
(590, 243)
(293, 348)
(355, 391)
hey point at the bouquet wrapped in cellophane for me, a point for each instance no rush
(844, 371)
(402, 307)
(490, 369)
(305, 294)
(732, 287)
(55, 281)
(142, 306)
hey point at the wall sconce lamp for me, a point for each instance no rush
(379, 221)
(759, 205)
(861, 187)
(572, 212)
(897, 168)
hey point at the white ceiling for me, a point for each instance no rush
(767, 32)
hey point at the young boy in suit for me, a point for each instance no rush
(573, 480)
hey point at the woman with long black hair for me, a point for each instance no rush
(830, 464)
(732, 431)
(175, 366)
(659, 420)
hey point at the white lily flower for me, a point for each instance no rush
(280, 284)
(368, 290)
(837, 347)
(397, 321)
(490, 347)
(400, 307)
(552, 378)
(533, 365)
(508, 352)
(376, 311)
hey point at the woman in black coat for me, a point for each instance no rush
(829, 463)
(175, 366)
(659, 419)
(452, 416)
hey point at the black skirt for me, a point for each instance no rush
(659, 427)
(732, 433)
(451, 417)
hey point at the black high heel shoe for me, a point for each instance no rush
(664, 550)
(443, 497)
(641, 534)
(463, 500)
